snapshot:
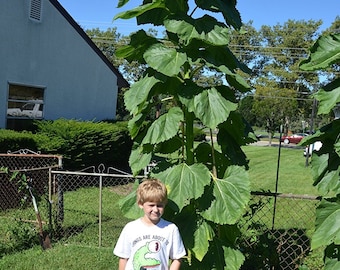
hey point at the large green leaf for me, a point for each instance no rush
(128, 205)
(185, 182)
(206, 28)
(327, 229)
(202, 236)
(139, 43)
(324, 52)
(139, 10)
(325, 162)
(325, 172)
(233, 258)
(222, 58)
(230, 143)
(139, 160)
(135, 124)
(157, 16)
(138, 93)
(328, 96)
(226, 7)
(203, 155)
(232, 194)
(236, 128)
(330, 182)
(165, 127)
(168, 87)
(331, 258)
(238, 82)
(169, 146)
(165, 60)
(211, 107)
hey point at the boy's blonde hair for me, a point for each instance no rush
(152, 190)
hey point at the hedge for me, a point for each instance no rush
(81, 143)
(12, 141)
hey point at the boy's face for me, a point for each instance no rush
(153, 211)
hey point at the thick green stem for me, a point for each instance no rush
(189, 134)
(213, 154)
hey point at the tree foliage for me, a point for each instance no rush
(283, 47)
(208, 187)
(326, 162)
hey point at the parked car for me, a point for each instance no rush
(31, 109)
(295, 138)
(312, 147)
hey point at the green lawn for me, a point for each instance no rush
(293, 177)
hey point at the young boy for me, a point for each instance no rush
(150, 242)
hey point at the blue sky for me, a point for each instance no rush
(92, 14)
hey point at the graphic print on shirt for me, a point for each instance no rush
(141, 259)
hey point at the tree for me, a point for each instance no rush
(245, 109)
(324, 54)
(208, 188)
(274, 106)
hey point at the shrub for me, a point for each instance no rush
(84, 144)
(12, 140)
(19, 236)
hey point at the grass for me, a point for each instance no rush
(80, 251)
(293, 177)
(77, 249)
(61, 257)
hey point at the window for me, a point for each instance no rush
(25, 103)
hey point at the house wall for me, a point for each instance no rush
(51, 54)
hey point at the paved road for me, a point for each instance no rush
(276, 143)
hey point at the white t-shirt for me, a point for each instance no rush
(149, 247)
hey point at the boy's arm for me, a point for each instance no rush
(175, 265)
(122, 263)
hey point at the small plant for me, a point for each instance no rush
(20, 236)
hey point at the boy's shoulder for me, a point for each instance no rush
(135, 222)
(161, 224)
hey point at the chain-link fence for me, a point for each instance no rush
(24, 163)
(276, 229)
(85, 203)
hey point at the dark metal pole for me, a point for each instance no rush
(277, 177)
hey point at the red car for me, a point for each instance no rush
(295, 138)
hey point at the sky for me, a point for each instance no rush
(99, 13)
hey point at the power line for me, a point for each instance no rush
(265, 52)
(279, 97)
(297, 56)
(268, 47)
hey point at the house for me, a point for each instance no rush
(50, 68)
